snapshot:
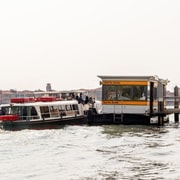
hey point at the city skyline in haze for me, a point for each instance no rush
(70, 43)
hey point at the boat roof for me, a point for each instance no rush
(42, 103)
(60, 92)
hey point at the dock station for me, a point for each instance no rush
(135, 100)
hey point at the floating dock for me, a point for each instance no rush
(134, 100)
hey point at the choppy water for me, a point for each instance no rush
(90, 153)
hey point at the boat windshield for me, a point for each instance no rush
(25, 112)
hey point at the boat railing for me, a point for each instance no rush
(60, 113)
(27, 118)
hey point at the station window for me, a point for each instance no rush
(124, 92)
(109, 92)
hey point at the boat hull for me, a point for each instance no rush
(43, 124)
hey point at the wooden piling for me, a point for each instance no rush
(160, 104)
(176, 103)
(160, 110)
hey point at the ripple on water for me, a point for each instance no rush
(96, 152)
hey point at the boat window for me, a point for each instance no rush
(62, 110)
(33, 111)
(62, 107)
(69, 110)
(68, 107)
(54, 111)
(2, 111)
(6, 110)
(24, 112)
(19, 110)
(63, 95)
(75, 108)
(15, 110)
(45, 111)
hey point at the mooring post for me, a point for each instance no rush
(176, 103)
(160, 111)
(160, 104)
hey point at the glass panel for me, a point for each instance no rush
(45, 111)
(109, 92)
(54, 111)
(139, 92)
(123, 92)
(62, 110)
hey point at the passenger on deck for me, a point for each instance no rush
(77, 98)
(86, 100)
(80, 100)
(93, 102)
(90, 100)
(2, 112)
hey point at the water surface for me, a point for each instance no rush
(91, 152)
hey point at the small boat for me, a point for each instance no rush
(28, 112)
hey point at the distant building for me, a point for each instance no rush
(48, 87)
(95, 93)
(6, 95)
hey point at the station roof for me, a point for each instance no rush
(134, 78)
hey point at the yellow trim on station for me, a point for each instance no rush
(109, 82)
(140, 103)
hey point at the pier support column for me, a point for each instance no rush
(176, 103)
(160, 110)
(160, 104)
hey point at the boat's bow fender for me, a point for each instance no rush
(22, 100)
(9, 117)
(45, 99)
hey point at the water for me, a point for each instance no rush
(89, 153)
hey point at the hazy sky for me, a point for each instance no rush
(69, 42)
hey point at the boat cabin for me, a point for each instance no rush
(44, 108)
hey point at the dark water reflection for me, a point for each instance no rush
(144, 152)
(90, 153)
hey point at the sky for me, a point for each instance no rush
(68, 43)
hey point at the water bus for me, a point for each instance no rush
(29, 112)
(131, 100)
